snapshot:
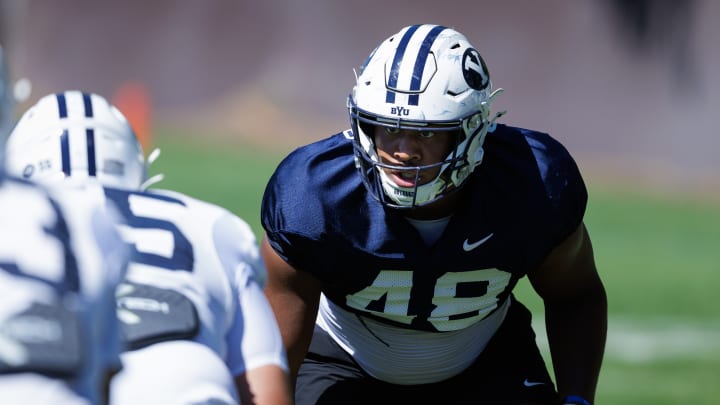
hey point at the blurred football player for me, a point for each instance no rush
(393, 248)
(61, 259)
(196, 323)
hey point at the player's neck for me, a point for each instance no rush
(439, 209)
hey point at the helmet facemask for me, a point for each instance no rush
(448, 89)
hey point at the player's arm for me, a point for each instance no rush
(575, 313)
(260, 366)
(264, 385)
(294, 297)
(265, 380)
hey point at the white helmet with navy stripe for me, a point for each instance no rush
(425, 77)
(79, 136)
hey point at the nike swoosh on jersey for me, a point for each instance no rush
(467, 246)
(532, 383)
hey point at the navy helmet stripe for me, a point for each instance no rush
(60, 230)
(397, 61)
(419, 67)
(90, 138)
(65, 152)
(87, 102)
(62, 105)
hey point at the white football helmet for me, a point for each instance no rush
(78, 136)
(425, 77)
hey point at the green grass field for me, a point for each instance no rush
(659, 259)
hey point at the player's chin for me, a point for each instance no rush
(405, 180)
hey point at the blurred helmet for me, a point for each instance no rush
(429, 78)
(79, 136)
(7, 101)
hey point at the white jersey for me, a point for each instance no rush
(61, 260)
(210, 257)
(406, 356)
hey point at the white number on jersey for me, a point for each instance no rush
(459, 300)
(150, 230)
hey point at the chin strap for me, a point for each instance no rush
(493, 95)
(152, 157)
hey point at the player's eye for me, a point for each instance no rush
(392, 130)
(426, 134)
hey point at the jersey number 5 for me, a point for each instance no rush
(153, 237)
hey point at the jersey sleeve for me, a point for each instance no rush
(114, 257)
(236, 243)
(260, 341)
(102, 258)
(277, 210)
(115, 260)
(565, 190)
(253, 337)
(301, 199)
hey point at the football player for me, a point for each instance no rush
(195, 321)
(393, 248)
(61, 260)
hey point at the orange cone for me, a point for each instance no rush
(133, 100)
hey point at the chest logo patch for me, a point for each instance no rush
(467, 246)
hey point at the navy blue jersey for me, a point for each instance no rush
(523, 200)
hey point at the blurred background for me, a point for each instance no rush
(630, 86)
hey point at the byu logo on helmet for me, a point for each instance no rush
(399, 111)
(474, 69)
